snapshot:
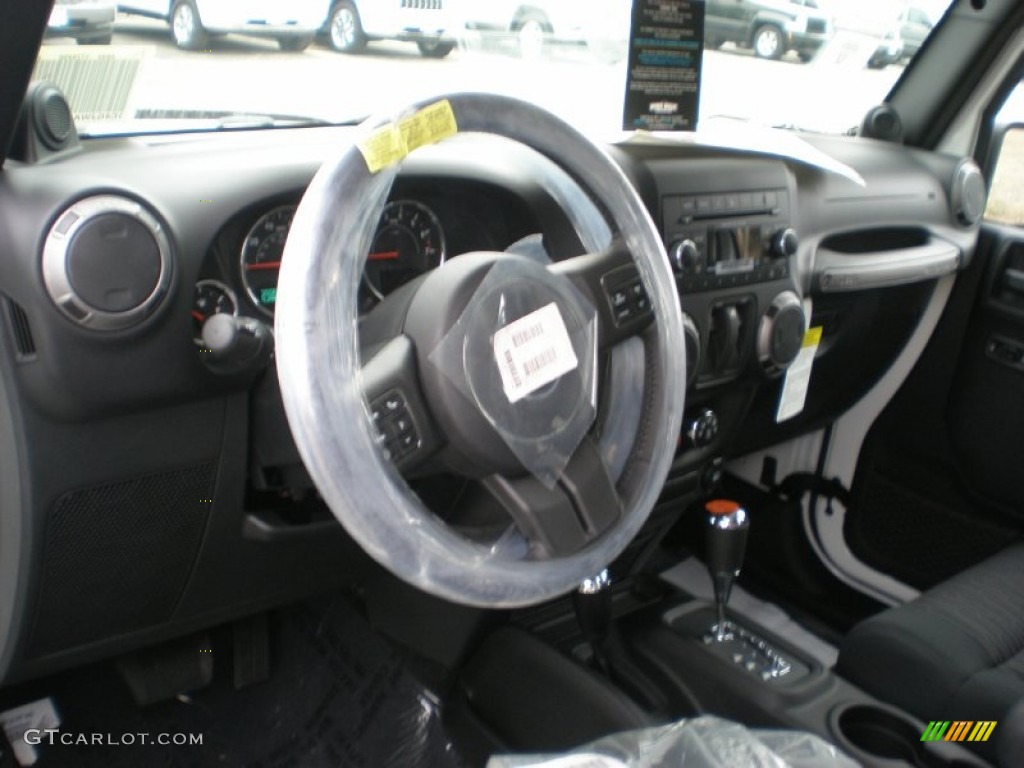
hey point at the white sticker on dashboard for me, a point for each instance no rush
(798, 377)
(533, 351)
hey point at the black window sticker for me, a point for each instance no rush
(666, 45)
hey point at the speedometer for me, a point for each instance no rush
(261, 256)
(409, 242)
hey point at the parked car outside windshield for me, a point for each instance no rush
(212, 60)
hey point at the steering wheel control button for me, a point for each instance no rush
(627, 298)
(395, 424)
(106, 262)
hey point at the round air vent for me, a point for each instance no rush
(106, 262)
(780, 333)
(968, 195)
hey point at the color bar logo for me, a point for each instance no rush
(958, 730)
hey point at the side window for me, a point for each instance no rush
(1006, 187)
(1006, 178)
(917, 16)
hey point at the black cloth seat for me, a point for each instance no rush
(954, 653)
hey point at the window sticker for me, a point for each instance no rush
(666, 47)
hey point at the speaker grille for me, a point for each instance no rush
(117, 557)
(57, 123)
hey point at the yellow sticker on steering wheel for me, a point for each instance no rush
(391, 143)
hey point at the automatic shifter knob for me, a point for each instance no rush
(726, 543)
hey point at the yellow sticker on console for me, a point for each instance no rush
(812, 337)
(391, 143)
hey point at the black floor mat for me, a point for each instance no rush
(338, 696)
(919, 538)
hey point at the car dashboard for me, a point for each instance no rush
(148, 493)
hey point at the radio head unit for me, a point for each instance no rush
(725, 240)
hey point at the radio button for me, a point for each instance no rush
(785, 243)
(687, 258)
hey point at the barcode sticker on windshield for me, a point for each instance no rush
(533, 351)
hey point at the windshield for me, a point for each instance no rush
(217, 64)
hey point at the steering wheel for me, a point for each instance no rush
(557, 388)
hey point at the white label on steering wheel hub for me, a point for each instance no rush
(533, 351)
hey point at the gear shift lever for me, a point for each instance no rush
(593, 605)
(725, 544)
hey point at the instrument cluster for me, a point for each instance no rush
(409, 241)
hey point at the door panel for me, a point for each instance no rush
(940, 485)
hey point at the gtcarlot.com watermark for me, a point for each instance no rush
(37, 736)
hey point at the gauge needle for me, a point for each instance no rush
(199, 316)
(382, 256)
(263, 265)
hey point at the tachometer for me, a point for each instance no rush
(212, 297)
(261, 256)
(409, 242)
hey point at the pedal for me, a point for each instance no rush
(252, 650)
(161, 673)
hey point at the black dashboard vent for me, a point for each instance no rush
(22, 331)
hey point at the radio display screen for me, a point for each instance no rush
(738, 249)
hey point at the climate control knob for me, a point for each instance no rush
(781, 332)
(785, 243)
(702, 429)
(686, 257)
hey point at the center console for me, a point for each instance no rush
(732, 254)
(761, 680)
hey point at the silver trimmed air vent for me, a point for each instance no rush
(107, 262)
(968, 195)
